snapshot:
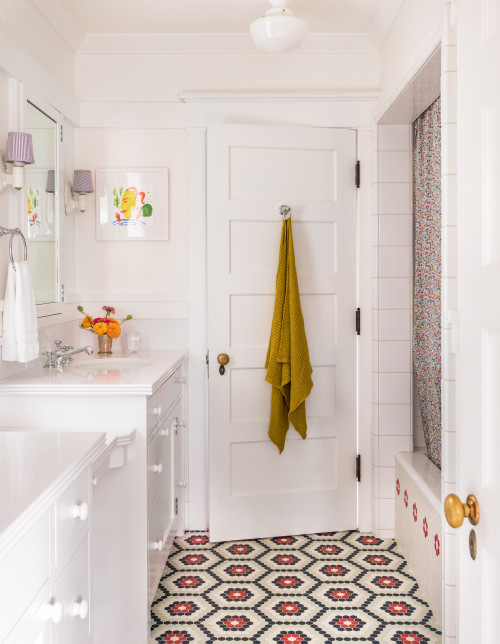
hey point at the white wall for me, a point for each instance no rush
(150, 268)
(27, 28)
(161, 77)
(417, 28)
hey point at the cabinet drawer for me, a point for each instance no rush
(26, 567)
(72, 590)
(160, 458)
(37, 630)
(161, 401)
(72, 509)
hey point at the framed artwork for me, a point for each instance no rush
(40, 204)
(131, 204)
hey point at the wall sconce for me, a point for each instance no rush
(18, 153)
(82, 186)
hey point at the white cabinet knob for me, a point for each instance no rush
(181, 423)
(79, 511)
(182, 484)
(157, 545)
(158, 469)
(80, 609)
(157, 411)
(165, 431)
(181, 380)
(52, 612)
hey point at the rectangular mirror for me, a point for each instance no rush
(41, 205)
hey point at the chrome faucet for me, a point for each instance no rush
(63, 354)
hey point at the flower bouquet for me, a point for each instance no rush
(106, 328)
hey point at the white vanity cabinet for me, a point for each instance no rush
(166, 427)
(137, 509)
(45, 519)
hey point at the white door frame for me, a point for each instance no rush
(336, 109)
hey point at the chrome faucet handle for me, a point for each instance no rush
(50, 359)
(58, 343)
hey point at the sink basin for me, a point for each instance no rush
(112, 363)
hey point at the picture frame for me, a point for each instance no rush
(132, 204)
(40, 204)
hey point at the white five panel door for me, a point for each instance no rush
(478, 362)
(252, 170)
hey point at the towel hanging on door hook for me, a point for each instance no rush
(12, 232)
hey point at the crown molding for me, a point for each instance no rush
(274, 97)
(216, 44)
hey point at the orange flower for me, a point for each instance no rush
(100, 328)
(114, 330)
(113, 320)
(86, 322)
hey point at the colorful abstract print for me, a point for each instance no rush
(427, 286)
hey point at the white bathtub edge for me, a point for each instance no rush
(426, 475)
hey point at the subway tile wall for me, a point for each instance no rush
(393, 413)
(392, 268)
(449, 306)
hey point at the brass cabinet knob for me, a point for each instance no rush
(455, 511)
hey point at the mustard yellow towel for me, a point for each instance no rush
(288, 366)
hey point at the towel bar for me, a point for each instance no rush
(12, 232)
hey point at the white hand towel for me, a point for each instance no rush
(26, 320)
(20, 321)
(9, 350)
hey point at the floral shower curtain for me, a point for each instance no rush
(427, 284)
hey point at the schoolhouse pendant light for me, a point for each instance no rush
(278, 31)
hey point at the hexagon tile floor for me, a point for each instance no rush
(320, 588)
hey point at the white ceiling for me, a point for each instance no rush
(78, 19)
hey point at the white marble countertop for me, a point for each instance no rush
(121, 373)
(34, 468)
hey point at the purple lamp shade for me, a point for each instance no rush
(82, 182)
(19, 148)
(51, 181)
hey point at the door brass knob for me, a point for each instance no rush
(456, 511)
(222, 359)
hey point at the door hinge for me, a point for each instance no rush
(207, 362)
(176, 505)
(62, 292)
(357, 174)
(62, 134)
(358, 321)
(358, 468)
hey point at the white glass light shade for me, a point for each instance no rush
(278, 31)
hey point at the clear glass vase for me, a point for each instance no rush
(132, 341)
(104, 344)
